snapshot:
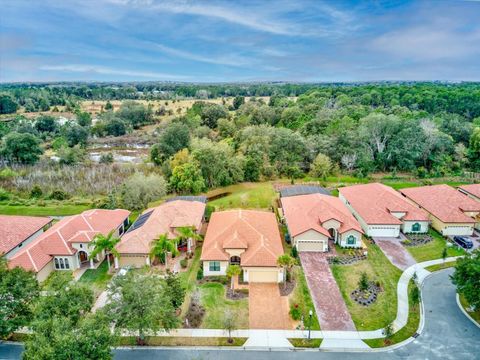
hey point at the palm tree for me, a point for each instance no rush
(105, 243)
(286, 262)
(161, 247)
(185, 233)
(232, 271)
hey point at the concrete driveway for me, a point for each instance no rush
(331, 310)
(267, 309)
(395, 251)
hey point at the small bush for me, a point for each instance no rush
(363, 282)
(294, 252)
(36, 192)
(200, 273)
(7, 173)
(4, 194)
(183, 263)
(295, 312)
(58, 195)
(106, 158)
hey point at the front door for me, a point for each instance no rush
(83, 256)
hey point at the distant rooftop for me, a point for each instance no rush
(202, 199)
(295, 190)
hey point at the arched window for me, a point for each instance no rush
(62, 265)
(416, 227)
(351, 240)
(56, 264)
(67, 265)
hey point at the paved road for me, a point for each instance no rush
(448, 334)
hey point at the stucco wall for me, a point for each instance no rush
(343, 239)
(42, 275)
(407, 226)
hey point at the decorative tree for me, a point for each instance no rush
(175, 289)
(187, 232)
(415, 295)
(229, 324)
(286, 262)
(444, 254)
(363, 282)
(105, 243)
(161, 247)
(388, 332)
(232, 271)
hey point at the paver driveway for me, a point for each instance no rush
(331, 310)
(267, 309)
(395, 252)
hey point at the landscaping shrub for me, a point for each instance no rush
(200, 273)
(4, 194)
(58, 195)
(7, 173)
(183, 263)
(294, 252)
(363, 282)
(295, 312)
(36, 192)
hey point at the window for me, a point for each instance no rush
(214, 266)
(416, 227)
(67, 265)
(81, 246)
(56, 264)
(351, 240)
(62, 265)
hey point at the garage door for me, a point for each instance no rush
(457, 230)
(311, 245)
(383, 231)
(258, 276)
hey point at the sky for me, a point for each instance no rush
(239, 41)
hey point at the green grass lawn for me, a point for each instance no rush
(189, 279)
(244, 196)
(433, 250)
(182, 341)
(301, 297)
(48, 210)
(216, 304)
(378, 268)
(475, 315)
(97, 278)
(438, 267)
(405, 332)
(305, 343)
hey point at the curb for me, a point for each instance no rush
(465, 311)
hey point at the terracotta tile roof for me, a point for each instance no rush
(375, 203)
(255, 231)
(472, 189)
(305, 212)
(16, 229)
(163, 220)
(57, 239)
(444, 202)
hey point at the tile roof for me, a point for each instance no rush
(16, 229)
(443, 202)
(375, 203)
(57, 240)
(253, 230)
(307, 212)
(472, 189)
(163, 220)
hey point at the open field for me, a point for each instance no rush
(379, 269)
(244, 196)
(433, 250)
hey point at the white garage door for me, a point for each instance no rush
(458, 230)
(384, 231)
(259, 276)
(311, 245)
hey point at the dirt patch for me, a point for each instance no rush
(238, 294)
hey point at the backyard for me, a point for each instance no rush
(434, 249)
(244, 196)
(379, 269)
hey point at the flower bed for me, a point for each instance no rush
(366, 297)
(417, 239)
(346, 260)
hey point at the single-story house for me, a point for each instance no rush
(19, 231)
(66, 245)
(382, 211)
(249, 238)
(451, 212)
(473, 191)
(135, 245)
(314, 219)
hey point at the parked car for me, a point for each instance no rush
(463, 241)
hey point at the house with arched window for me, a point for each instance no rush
(312, 220)
(382, 211)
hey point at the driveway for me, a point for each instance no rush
(331, 310)
(395, 251)
(267, 309)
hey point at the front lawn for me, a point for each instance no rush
(442, 266)
(378, 269)
(433, 250)
(182, 341)
(301, 297)
(212, 295)
(97, 278)
(405, 332)
(244, 196)
(475, 315)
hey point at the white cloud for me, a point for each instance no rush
(95, 69)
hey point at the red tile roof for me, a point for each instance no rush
(57, 240)
(254, 231)
(375, 203)
(305, 212)
(163, 220)
(16, 229)
(444, 202)
(472, 189)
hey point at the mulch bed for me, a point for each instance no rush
(195, 314)
(366, 297)
(417, 240)
(237, 294)
(286, 289)
(345, 260)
